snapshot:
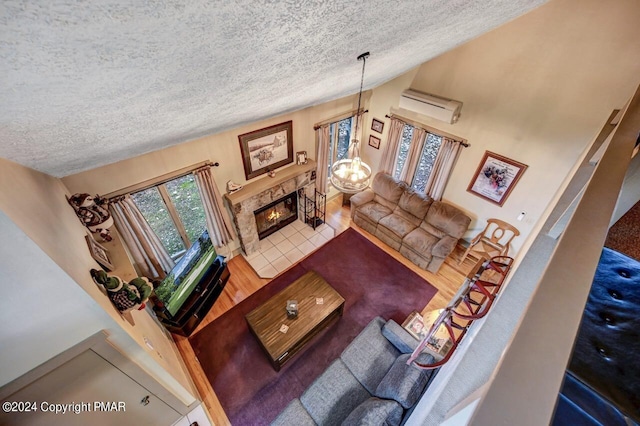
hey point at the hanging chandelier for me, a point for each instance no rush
(352, 175)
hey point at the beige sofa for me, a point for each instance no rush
(422, 230)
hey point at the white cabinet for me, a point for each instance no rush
(91, 391)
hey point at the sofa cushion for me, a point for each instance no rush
(420, 241)
(374, 211)
(370, 355)
(403, 383)
(375, 411)
(387, 187)
(414, 203)
(295, 413)
(427, 227)
(397, 225)
(448, 218)
(333, 395)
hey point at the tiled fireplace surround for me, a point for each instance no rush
(288, 245)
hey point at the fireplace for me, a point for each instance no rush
(276, 215)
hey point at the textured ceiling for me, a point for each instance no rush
(89, 83)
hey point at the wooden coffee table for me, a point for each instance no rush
(266, 321)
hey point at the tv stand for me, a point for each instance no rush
(199, 302)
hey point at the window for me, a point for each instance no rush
(426, 161)
(340, 136)
(174, 211)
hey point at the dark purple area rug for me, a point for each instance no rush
(372, 284)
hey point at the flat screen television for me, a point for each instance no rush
(189, 290)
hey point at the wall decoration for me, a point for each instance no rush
(266, 149)
(301, 157)
(496, 177)
(377, 125)
(374, 142)
(93, 213)
(99, 253)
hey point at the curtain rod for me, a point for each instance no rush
(160, 179)
(429, 129)
(339, 118)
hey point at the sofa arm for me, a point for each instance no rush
(404, 342)
(444, 247)
(399, 337)
(360, 199)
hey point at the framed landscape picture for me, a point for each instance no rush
(495, 177)
(266, 149)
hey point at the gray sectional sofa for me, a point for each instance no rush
(421, 229)
(369, 384)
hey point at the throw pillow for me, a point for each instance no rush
(375, 411)
(403, 383)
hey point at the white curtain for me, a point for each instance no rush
(413, 157)
(390, 152)
(218, 222)
(322, 168)
(446, 158)
(150, 258)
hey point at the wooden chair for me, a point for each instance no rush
(494, 240)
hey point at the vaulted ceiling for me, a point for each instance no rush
(89, 83)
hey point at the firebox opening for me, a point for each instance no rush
(276, 215)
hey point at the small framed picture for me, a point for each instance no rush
(374, 142)
(377, 125)
(414, 324)
(99, 253)
(301, 157)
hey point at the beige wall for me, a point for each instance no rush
(223, 148)
(536, 90)
(35, 203)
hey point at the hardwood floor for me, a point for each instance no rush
(244, 282)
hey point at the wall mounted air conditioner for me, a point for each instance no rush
(442, 109)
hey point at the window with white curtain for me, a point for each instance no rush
(174, 211)
(340, 136)
(427, 157)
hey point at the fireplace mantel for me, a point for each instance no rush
(262, 192)
(254, 188)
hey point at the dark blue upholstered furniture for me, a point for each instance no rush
(602, 384)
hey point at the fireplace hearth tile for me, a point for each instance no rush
(308, 232)
(272, 254)
(318, 240)
(296, 239)
(328, 233)
(270, 259)
(288, 231)
(306, 247)
(281, 263)
(298, 225)
(258, 262)
(276, 237)
(285, 246)
(294, 255)
(265, 245)
(268, 272)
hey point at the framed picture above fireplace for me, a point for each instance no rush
(266, 149)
